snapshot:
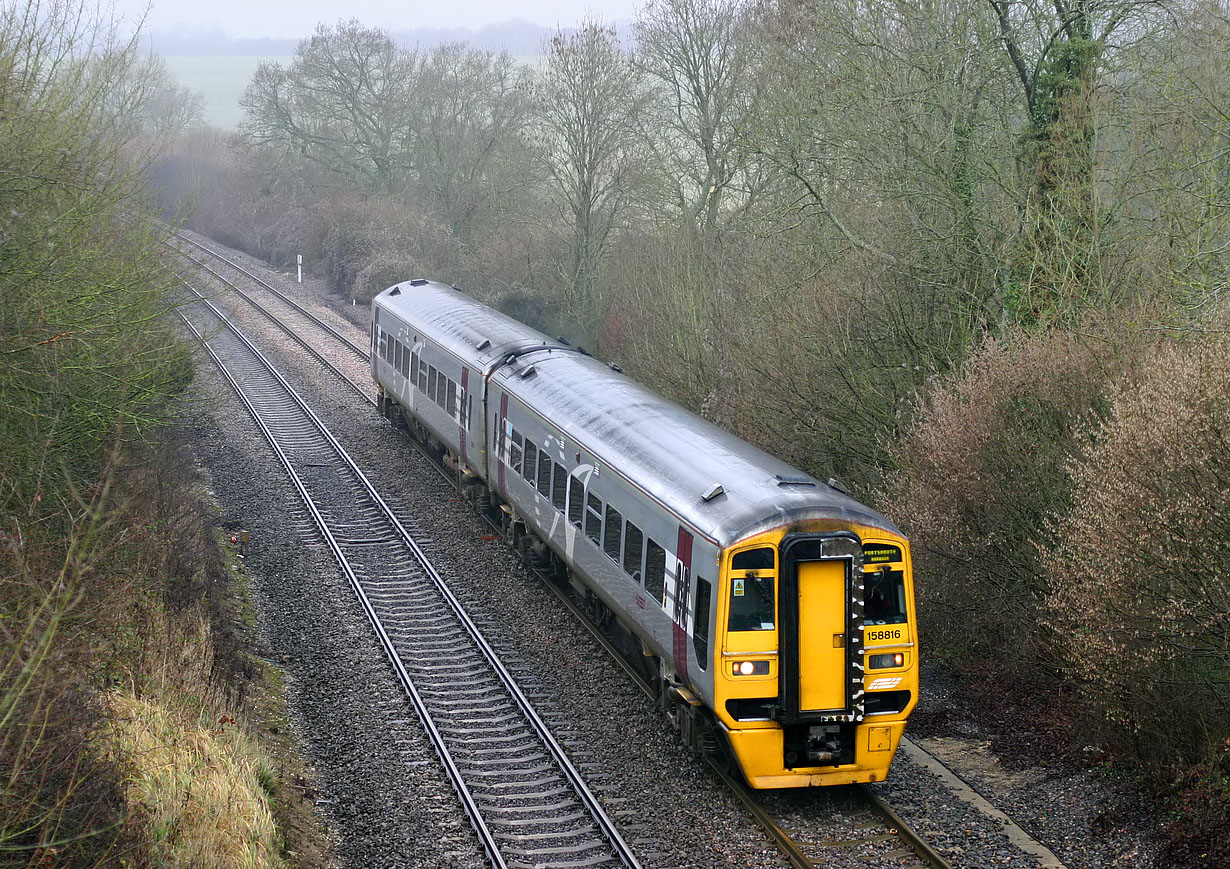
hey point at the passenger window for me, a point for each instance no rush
(576, 501)
(700, 622)
(531, 461)
(414, 369)
(559, 487)
(633, 541)
(431, 382)
(593, 519)
(405, 362)
(441, 387)
(451, 407)
(514, 455)
(752, 604)
(544, 474)
(613, 532)
(885, 598)
(753, 559)
(655, 570)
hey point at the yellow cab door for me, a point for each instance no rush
(822, 642)
(821, 610)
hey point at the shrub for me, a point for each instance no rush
(979, 472)
(1140, 575)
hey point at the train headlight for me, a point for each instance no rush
(881, 662)
(749, 668)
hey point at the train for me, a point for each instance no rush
(773, 611)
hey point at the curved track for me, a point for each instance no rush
(913, 850)
(528, 804)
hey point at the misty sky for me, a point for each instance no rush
(282, 18)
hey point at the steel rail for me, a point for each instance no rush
(288, 331)
(361, 351)
(605, 826)
(917, 843)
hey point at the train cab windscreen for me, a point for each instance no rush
(885, 598)
(752, 604)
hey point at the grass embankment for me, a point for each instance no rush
(138, 727)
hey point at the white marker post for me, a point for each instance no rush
(300, 268)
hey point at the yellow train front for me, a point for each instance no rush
(817, 665)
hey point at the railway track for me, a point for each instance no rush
(875, 823)
(528, 804)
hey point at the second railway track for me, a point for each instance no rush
(528, 803)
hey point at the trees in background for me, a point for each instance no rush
(343, 106)
(588, 104)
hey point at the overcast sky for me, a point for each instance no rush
(284, 18)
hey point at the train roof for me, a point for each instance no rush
(468, 329)
(714, 482)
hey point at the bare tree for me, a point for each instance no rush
(697, 55)
(471, 108)
(589, 98)
(342, 104)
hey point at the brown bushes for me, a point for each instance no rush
(983, 468)
(1140, 573)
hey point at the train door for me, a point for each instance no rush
(679, 614)
(821, 610)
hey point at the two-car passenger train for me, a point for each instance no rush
(775, 612)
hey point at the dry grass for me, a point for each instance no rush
(195, 777)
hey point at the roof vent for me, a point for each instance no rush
(713, 491)
(484, 344)
(529, 372)
(396, 291)
(615, 368)
(794, 480)
(833, 484)
(418, 282)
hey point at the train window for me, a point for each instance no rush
(404, 365)
(613, 533)
(451, 406)
(559, 487)
(544, 474)
(700, 622)
(576, 501)
(593, 519)
(396, 354)
(441, 388)
(885, 598)
(753, 559)
(382, 342)
(423, 374)
(655, 570)
(514, 452)
(414, 368)
(531, 461)
(633, 541)
(431, 382)
(752, 606)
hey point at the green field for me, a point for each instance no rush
(221, 78)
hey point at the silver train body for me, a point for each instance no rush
(742, 581)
